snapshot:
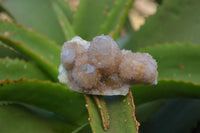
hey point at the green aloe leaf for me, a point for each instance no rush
(15, 69)
(121, 110)
(64, 23)
(180, 62)
(94, 115)
(181, 115)
(66, 9)
(50, 69)
(85, 128)
(175, 21)
(2, 9)
(89, 17)
(7, 52)
(46, 95)
(116, 18)
(101, 104)
(23, 120)
(165, 89)
(38, 15)
(44, 52)
(177, 61)
(145, 111)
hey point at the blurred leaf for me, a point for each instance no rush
(196, 129)
(177, 116)
(44, 52)
(7, 52)
(177, 61)
(89, 17)
(65, 9)
(116, 18)
(124, 39)
(38, 15)
(46, 95)
(121, 110)
(175, 20)
(18, 119)
(128, 26)
(121, 41)
(64, 23)
(145, 111)
(16, 69)
(165, 89)
(159, 1)
(85, 128)
(2, 9)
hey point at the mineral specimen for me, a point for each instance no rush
(100, 68)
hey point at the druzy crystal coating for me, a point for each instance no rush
(99, 67)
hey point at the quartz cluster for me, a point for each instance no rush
(99, 67)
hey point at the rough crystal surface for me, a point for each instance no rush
(138, 67)
(68, 58)
(99, 67)
(86, 76)
(104, 53)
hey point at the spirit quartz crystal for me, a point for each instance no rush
(99, 67)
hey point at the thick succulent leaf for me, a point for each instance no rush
(175, 20)
(145, 111)
(44, 52)
(177, 61)
(66, 9)
(7, 52)
(101, 104)
(32, 40)
(37, 15)
(159, 1)
(15, 69)
(181, 62)
(116, 18)
(50, 96)
(165, 89)
(94, 115)
(2, 9)
(121, 110)
(64, 22)
(122, 114)
(49, 68)
(177, 116)
(90, 16)
(18, 119)
(168, 89)
(123, 40)
(85, 128)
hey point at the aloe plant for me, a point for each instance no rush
(32, 99)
